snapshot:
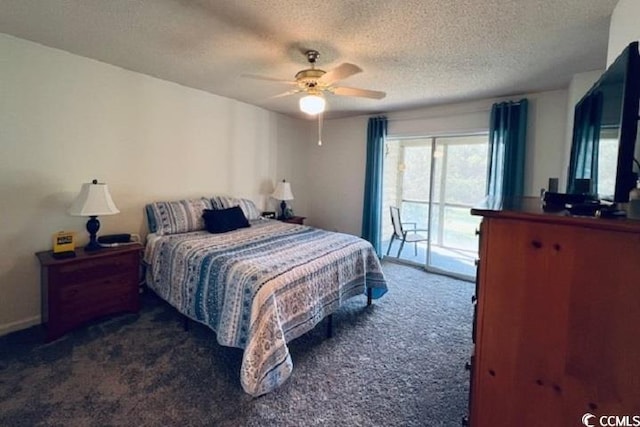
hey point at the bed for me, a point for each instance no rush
(258, 287)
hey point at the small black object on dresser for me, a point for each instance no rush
(294, 220)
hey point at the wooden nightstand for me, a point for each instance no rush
(294, 220)
(91, 285)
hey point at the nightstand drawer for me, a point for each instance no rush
(92, 291)
(90, 269)
(75, 314)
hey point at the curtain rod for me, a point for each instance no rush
(475, 110)
(437, 116)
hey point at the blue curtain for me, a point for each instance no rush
(585, 145)
(507, 148)
(372, 211)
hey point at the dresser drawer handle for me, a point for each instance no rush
(536, 244)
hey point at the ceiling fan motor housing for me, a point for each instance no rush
(309, 78)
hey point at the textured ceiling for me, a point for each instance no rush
(421, 52)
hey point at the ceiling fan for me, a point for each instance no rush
(315, 82)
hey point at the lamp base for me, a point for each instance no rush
(283, 206)
(93, 225)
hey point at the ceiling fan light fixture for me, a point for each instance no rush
(312, 104)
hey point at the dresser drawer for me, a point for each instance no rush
(92, 268)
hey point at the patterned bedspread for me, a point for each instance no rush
(260, 287)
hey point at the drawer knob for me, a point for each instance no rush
(473, 299)
(536, 244)
(465, 421)
(467, 366)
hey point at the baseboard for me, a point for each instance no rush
(7, 328)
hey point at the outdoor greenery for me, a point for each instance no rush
(464, 167)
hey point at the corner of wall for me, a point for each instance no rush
(623, 27)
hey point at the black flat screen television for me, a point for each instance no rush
(604, 132)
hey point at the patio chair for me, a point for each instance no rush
(410, 236)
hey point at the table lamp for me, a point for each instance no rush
(283, 193)
(94, 199)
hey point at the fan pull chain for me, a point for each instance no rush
(320, 130)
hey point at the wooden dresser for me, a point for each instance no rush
(91, 285)
(557, 326)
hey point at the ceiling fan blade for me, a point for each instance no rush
(269, 79)
(363, 93)
(287, 93)
(340, 72)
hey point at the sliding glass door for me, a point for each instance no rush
(435, 182)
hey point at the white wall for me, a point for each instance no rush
(546, 139)
(65, 120)
(295, 139)
(336, 175)
(337, 169)
(468, 117)
(623, 28)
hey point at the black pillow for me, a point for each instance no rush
(223, 220)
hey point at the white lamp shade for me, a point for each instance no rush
(93, 200)
(283, 191)
(312, 104)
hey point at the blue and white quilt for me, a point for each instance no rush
(261, 287)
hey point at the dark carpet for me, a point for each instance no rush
(399, 362)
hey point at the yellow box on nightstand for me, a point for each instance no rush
(64, 241)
